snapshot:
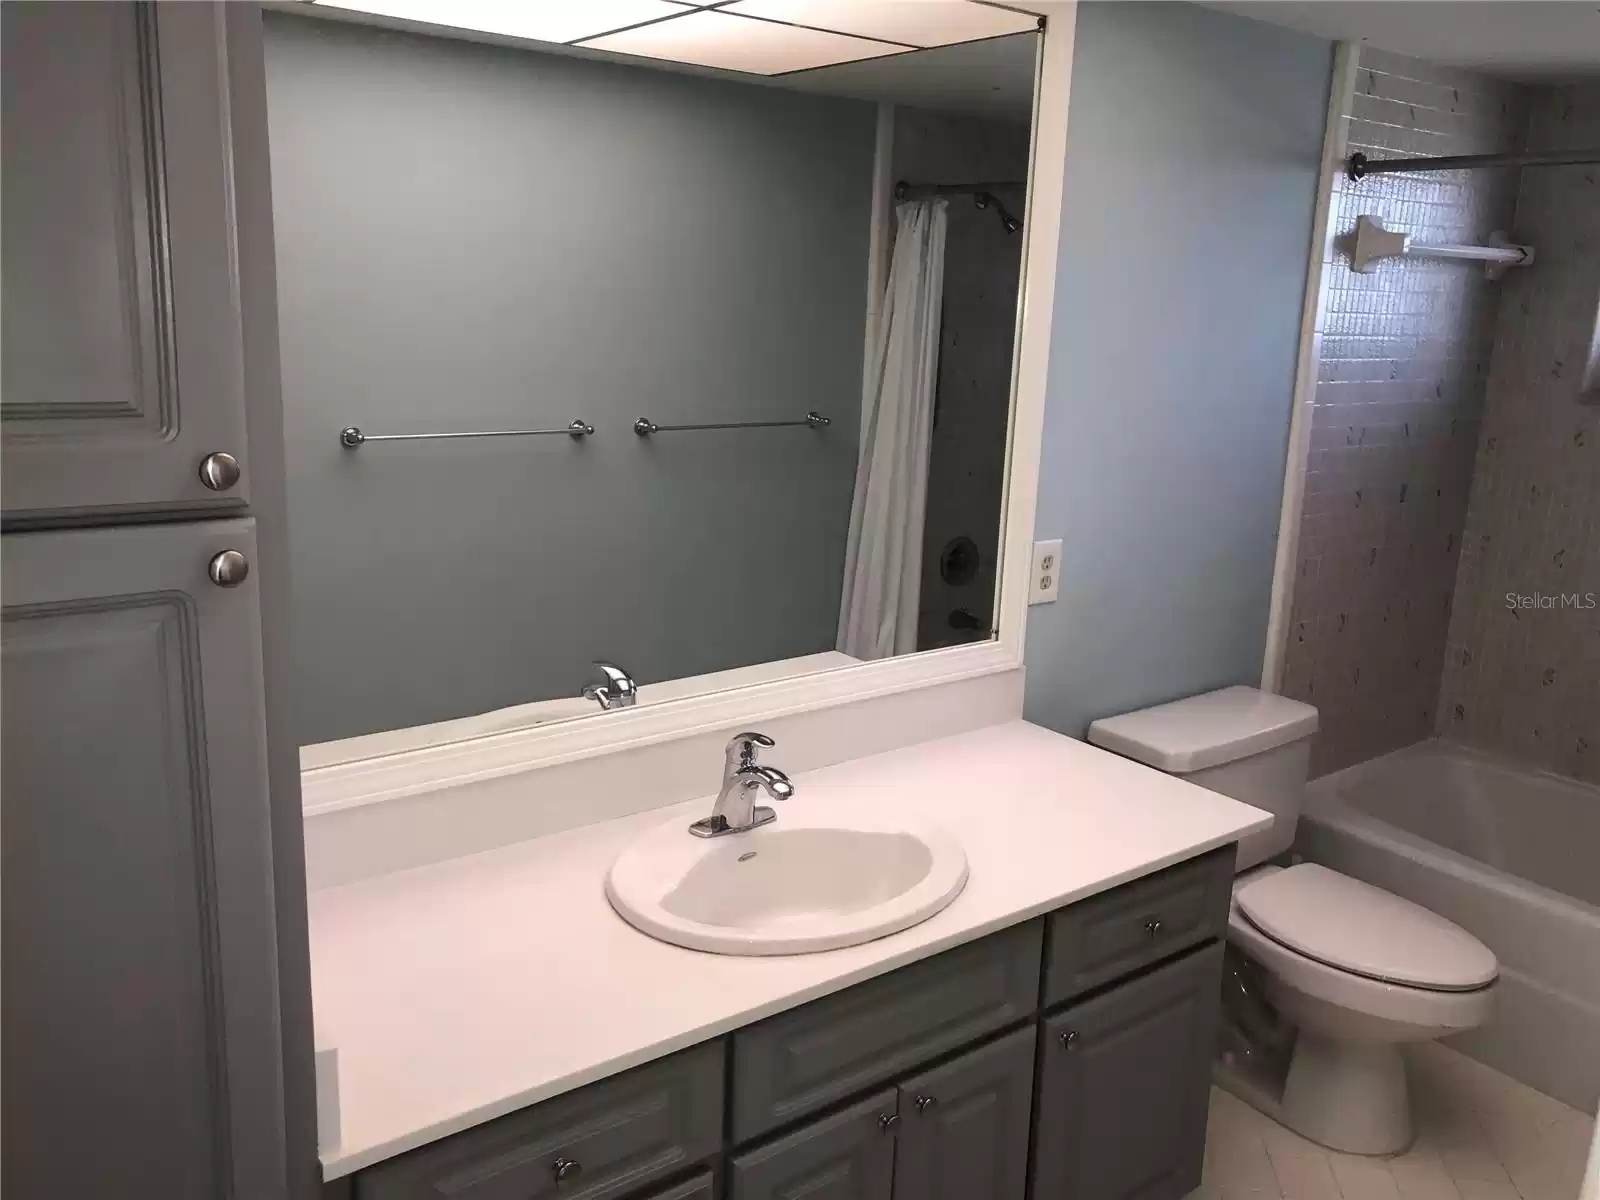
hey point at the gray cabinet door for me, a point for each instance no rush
(848, 1156)
(1124, 1082)
(964, 1130)
(123, 347)
(703, 1186)
(140, 1026)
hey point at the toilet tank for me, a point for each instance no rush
(1242, 742)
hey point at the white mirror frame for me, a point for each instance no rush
(413, 772)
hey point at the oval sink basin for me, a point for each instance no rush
(784, 889)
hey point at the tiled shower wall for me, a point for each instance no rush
(1404, 356)
(1525, 681)
(967, 454)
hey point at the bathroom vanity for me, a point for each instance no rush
(1086, 1034)
(502, 1032)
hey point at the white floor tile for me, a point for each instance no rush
(1481, 1136)
(1363, 1178)
(1303, 1173)
(1422, 1177)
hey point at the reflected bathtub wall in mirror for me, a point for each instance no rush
(581, 252)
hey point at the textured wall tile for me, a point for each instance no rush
(1403, 360)
(1525, 681)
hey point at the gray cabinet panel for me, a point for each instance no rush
(1123, 1087)
(702, 1186)
(1105, 937)
(606, 1140)
(848, 1156)
(801, 1061)
(123, 347)
(964, 1131)
(140, 1034)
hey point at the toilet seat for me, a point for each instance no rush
(1351, 926)
(1384, 1007)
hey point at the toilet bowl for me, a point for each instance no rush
(1346, 1086)
(1358, 972)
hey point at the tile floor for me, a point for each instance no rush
(1480, 1136)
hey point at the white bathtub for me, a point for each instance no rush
(1510, 854)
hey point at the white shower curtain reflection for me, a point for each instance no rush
(883, 558)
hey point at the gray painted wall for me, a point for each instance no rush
(1191, 173)
(473, 236)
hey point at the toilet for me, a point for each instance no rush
(1357, 971)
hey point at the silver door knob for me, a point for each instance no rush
(1069, 1038)
(219, 471)
(1153, 926)
(565, 1168)
(924, 1103)
(888, 1122)
(228, 568)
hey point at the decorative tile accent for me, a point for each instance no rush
(1481, 1135)
(1403, 359)
(1524, 681)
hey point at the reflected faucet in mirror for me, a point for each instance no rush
(616, 690)
(742, 776)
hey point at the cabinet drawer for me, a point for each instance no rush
(606, 1140)
(799, 1061)
(1114, 934)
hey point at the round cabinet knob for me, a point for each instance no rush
(565, 1168)
(1153, 926)
(219, 471)
(889, 1122)
(1068, 1038)
(924, 1103)
(228, 568)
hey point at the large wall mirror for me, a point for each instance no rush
(684, 346)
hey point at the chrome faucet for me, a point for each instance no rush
(618, 690)
(742, 778)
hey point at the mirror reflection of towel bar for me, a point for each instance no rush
(351, 437)
(644, 426)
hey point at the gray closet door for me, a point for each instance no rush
(123, 361)
(1124, 1083)
(965, 1125)
(139, 1031)
(848, 1156)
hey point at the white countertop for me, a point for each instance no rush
(464, 990)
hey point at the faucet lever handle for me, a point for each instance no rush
(743, 748)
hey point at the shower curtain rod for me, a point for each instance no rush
(926, 191)
(1360, 166)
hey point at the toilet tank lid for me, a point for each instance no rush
(1206, 731)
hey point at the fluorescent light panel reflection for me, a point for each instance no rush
(712, 38)
(913, 22)
(540, 20)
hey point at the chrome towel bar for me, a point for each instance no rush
(351, 437)
(644, 426)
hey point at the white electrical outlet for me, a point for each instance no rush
(1045, 586)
